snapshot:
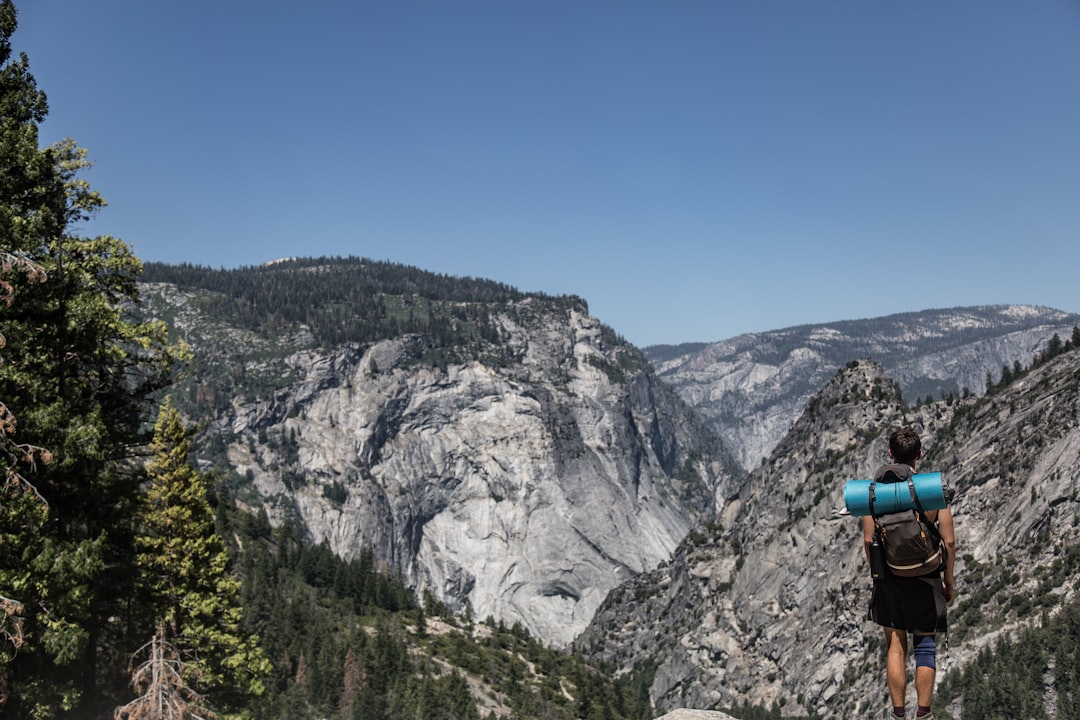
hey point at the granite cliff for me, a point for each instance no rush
(522, 483)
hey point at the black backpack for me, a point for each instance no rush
(912, 544)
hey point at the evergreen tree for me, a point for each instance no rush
(1054, 347)
(352, 681)
(22, 509)
(79, 374)
(183, 570)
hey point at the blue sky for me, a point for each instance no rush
(694, 169)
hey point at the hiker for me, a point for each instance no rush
(913, 606)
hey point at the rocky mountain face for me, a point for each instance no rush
(523, 487)
(544, 467)
(767, 604)
(751, 388)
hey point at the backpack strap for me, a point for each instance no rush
(915, 496)
(922, 513)
(879, 531)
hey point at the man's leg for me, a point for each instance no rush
(895, 658)
(925, 667)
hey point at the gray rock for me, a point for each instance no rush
(769, 604)
(683, 714)
(524, 493)
(753, 387)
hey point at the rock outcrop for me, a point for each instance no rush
(767, 606)
(542, 472)
(683, 714)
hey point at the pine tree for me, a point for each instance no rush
(183, 570)
(80, 375)
(45, 630)
(22, 509)
(352, 682)
(1055, 346)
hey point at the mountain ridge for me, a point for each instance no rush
(780, 577)
(751, 387)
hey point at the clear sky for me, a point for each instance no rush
(695, 169)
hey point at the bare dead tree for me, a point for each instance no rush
(17, 261)
(163, 692)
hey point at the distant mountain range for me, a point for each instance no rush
(751, 388)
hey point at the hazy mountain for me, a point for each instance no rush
(751, 388)
(767, 605)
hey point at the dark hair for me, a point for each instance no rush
(905, 446)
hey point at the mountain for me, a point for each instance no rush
(506, 453)
(751, 388)
(767, 604)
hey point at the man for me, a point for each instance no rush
(911, 605)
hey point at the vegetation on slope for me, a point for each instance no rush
(246, 322)
(1035, 676)
(351, 299)
(348, 640)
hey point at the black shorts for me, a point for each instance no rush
(913, 604)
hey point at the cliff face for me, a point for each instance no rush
(544, 467)
(524, 490)
(768, 605)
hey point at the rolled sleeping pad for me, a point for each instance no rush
(890, 497)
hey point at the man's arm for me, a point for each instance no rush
(867, 535)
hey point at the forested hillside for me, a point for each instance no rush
(350, 641)
(127, 576)
(351, 300)
(246, 321)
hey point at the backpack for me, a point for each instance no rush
(911, 542)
